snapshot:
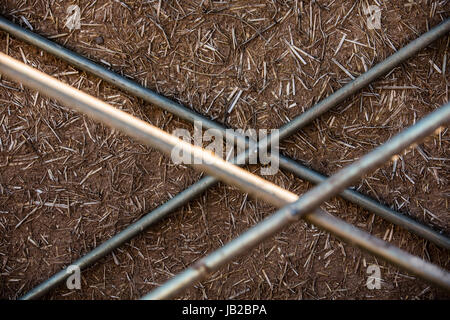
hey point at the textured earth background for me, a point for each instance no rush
(68, 183)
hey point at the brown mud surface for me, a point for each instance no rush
(68, 183)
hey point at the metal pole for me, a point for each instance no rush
(299, 122)
(312, 200)
(231, 174)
